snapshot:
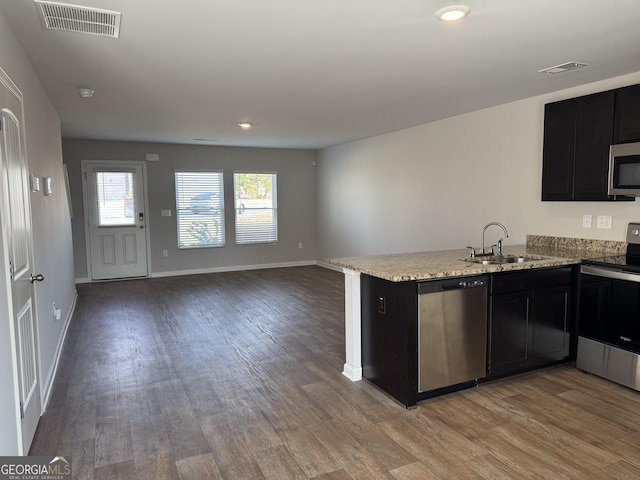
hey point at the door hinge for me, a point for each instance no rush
(21, 410)
(10, 269)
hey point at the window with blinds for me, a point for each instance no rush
(256, 209)
(200, 209)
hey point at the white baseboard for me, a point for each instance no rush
(329, 266)
(238, 268)
(48, 386)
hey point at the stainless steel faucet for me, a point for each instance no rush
(499, 245)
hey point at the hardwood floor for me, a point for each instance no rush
(237, 376)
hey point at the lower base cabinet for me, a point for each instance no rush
(531, 319)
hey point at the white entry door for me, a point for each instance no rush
(17, 211)
(116, 219)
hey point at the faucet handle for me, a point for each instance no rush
(500, 246)
(491, 252)
(472, 252)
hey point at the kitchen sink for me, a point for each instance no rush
(500, 259)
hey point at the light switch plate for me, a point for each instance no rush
(586, 221)
(165, 212)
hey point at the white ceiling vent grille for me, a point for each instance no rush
(73, 18)
(564, 67)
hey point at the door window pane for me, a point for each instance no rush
(200, 209)
(256, 207)
(115, 199)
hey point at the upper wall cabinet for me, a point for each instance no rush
(577, 136)
(627, 120)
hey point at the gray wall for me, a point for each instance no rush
(296, 203)
(53, 253)
(435, 186)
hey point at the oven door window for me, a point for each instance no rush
(610, 311)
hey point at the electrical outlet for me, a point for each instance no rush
(165, 253)
(299, 244)
(586, 221)
(604, 221)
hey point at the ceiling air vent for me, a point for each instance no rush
(563, 67)
(73, 18)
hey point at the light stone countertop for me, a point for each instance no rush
(546, 252)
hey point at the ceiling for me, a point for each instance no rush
(314, 73)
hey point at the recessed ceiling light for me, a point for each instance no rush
(85, 92)
(452, 13)
(245, 125)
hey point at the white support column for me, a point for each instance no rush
(352, 319)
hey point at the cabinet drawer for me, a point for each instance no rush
(511, 282)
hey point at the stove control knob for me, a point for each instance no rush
(635, 232)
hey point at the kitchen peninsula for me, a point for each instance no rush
(542, 254)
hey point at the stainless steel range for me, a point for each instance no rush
(609, 325)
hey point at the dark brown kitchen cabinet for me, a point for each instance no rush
(551, 326)
(577, 136)
(390, 336)
(531, 319)
(509, 333)
(627, 115)
(559, 150)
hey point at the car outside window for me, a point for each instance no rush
(200, 209)
(256, 212)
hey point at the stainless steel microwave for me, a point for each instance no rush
(624, 169)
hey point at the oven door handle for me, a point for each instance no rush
(610, 273)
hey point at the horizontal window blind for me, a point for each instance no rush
(200, 209)
(256, 211)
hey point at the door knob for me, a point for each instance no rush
(36, 278)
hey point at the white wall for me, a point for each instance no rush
(53, 254)
(296, 202)
(435, 186)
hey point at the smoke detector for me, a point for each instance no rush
(73, 18)
(85, 92)
(563, 67)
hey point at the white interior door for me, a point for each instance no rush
(15, 183)
(114, 193)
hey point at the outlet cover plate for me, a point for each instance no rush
(604, 221)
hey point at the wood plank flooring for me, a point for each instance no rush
(237, 376)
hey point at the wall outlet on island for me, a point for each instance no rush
(165, 253)
(604, 221)
(299, 244)
(586, 221)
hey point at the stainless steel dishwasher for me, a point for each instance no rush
(452, 332)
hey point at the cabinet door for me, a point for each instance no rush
(550, 330)
(594, 136)
(509, 333)
(627, 116)
(558, 150)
